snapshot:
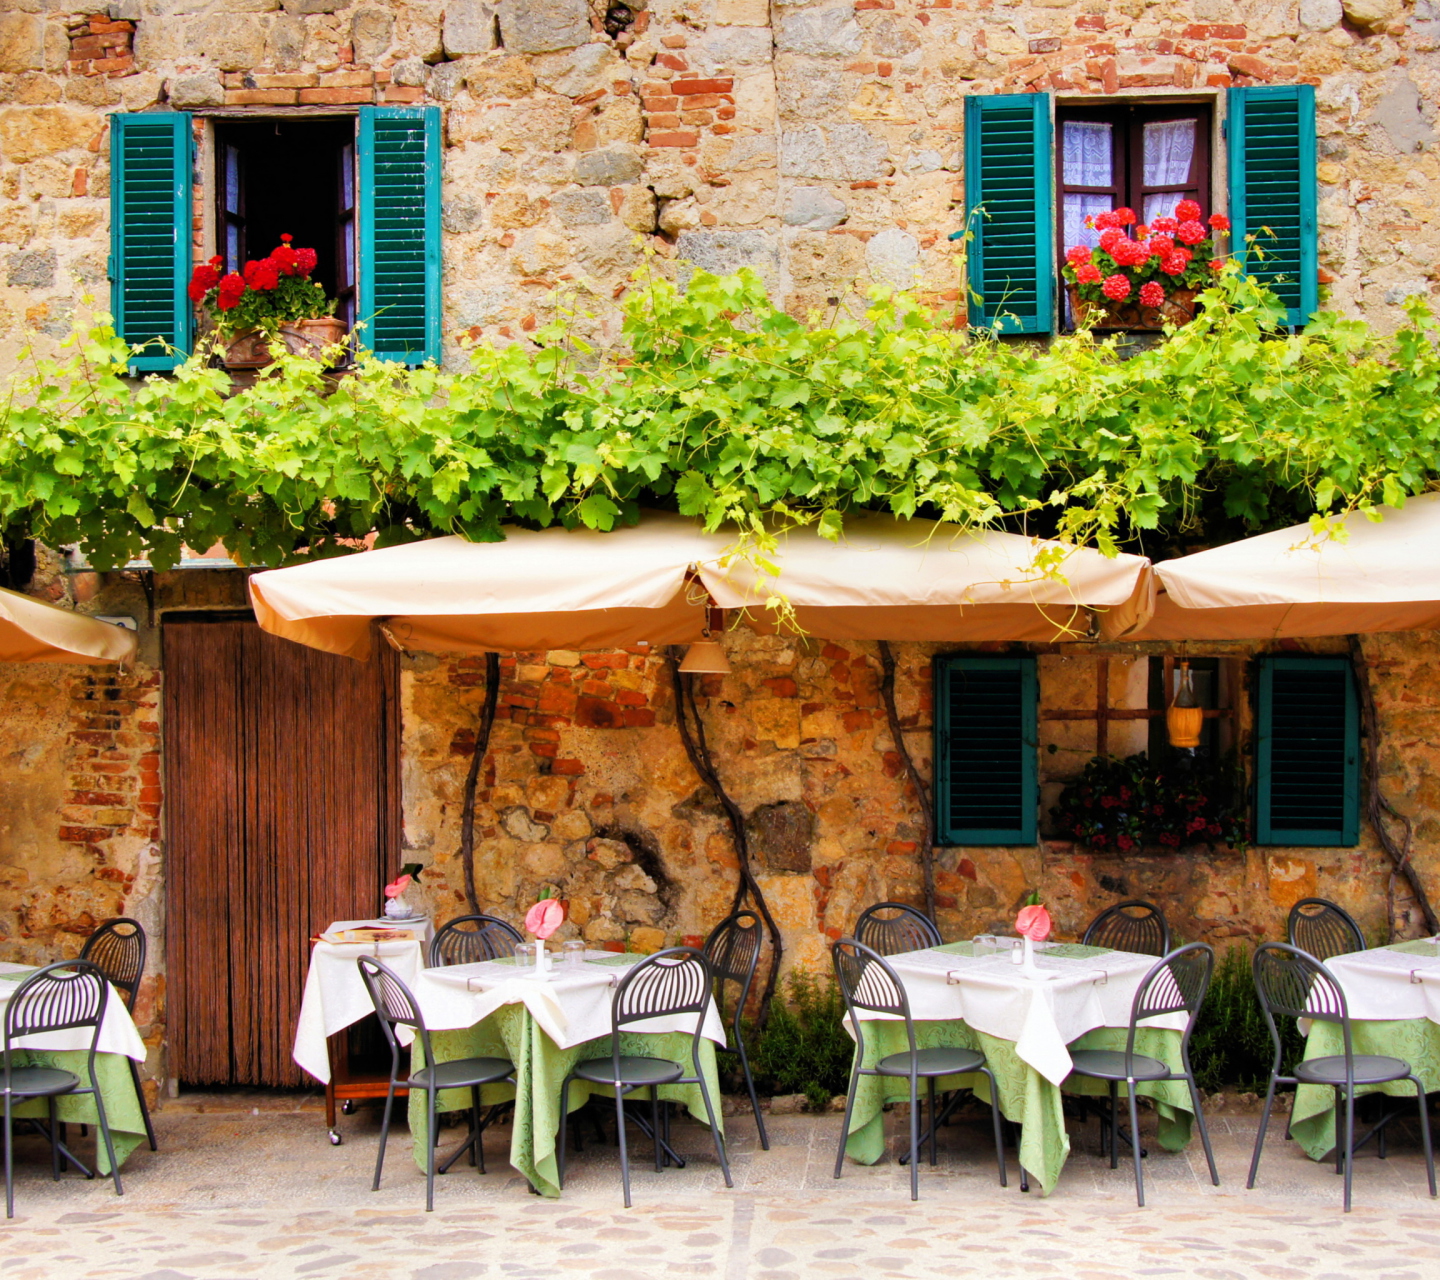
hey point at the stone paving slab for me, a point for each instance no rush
(248, 1193)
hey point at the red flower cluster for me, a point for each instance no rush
(206, 277)
(262, 275)
(1116, 287)
(1152, 294)
(232, 289)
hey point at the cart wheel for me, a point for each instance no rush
(335, 1138)
(347, 1108)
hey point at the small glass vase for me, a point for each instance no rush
(397, 908)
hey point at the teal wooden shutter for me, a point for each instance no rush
(1307, 775)
(1271, 132)
(985, 745)
(150, 183)
(400, 163)
(1008, 207)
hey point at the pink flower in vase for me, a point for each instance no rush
(1033, 922)
(398, 886)
(544, 918)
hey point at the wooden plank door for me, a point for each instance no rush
(282, 814)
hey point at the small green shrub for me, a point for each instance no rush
(804, 1047)
(1231, 1047)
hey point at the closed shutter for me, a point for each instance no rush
(1011, 263)
(400, 163)
(1271, 132)
(150, 184)
(985, 744)
(1307, 773)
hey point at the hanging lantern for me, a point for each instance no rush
(707, 656)
(1184, 717)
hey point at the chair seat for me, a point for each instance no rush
(1109, 1064)
(40, 1082)
(1369, 1069)
(932, 1062)
(633, 1071)
(462, 1072)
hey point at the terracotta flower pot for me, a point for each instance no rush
(249, 349)
(312, 337)
(1178, 308)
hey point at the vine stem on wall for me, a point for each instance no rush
(922, 792)
(1377, 807)
(697, 749)
(472, 779)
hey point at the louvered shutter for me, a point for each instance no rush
(400, 164)
(150, 185)
(985, 745)
(1271, 133)
(1011, 261)
(1307, 776)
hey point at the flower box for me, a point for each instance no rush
(1178, 308)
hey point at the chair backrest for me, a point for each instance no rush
(675, 981)
(117, 948)
(1293, 984)
(59, 997)
(1130, 926)
(1176, 985)
(394, 1002)
(892, 928)
(868, 982)
(470, 939)
(1322, 929)
(733, 951)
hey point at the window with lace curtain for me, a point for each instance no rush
(1147, 158)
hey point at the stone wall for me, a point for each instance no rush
(818, 141)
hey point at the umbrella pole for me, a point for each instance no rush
(472, 778)
(922, 792)
(687, 714)
(1377, 807)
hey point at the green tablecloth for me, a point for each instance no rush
(540, 1068)
(117, 1087)
(1026, 1097)
(1416, 1040)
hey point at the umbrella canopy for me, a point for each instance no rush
(577, 589)
(33, 631)
(1384, 576)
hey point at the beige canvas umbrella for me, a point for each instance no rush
(576, 589)
(1384, 576)
(33, 631)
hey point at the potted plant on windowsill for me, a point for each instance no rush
(273, 297)
(1147, 278)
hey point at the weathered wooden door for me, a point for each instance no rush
(282, 814)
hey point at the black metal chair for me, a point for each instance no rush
(1176, 985)
(733, 950)
(1130, 926)
(118, 949)
(1296, 985)
(395, 1006)
(469, 939)
(1321, 929)
(867, 982)
(67, 996)
(669, 983)
(892, 928)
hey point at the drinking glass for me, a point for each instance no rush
(524, 955)
(573, 952)
(984, 945)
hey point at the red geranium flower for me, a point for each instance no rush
(1187, 211)
(1117, 289)
(1164, 224)
(1219, 222)
(1174, 264)
(1216, 264)
(205, 278)
(1125, 217)
(1110, 237)
(1105, 221)
(1191, 232)
(1077, 256)
(232, 289)
(305, 260)
(1152, 294)
(284, 258)
(1087, 273)
(262, 275)
(1162, 246)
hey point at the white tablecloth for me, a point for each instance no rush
(1384, 985)
(335, 996)
(571, 1008)
(1041, 1015)
(117, 1031)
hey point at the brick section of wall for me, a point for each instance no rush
(100, 47)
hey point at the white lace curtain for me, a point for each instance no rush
(1089, 153)
(1169, 152)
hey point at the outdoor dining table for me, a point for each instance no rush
(68, 1051)
(1026, 1026)
(1393, 995)
(545, 1027)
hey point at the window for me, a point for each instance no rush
(985, 750)
(1307, 769)
(365, 194)
(1149, 155)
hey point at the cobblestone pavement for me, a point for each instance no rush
(247, 1187)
